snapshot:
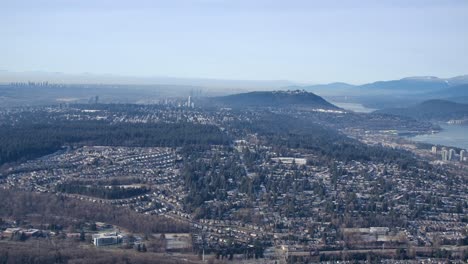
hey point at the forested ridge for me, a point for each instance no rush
(28, 140)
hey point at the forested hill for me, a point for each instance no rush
(296, 98)
(440, 110)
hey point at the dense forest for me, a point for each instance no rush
(27, 140)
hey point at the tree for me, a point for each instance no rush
(82, 235)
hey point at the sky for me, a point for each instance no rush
(298, 40)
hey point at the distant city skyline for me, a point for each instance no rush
(7, 76)
(300, 41)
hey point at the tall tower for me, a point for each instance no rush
(189, 101)
(462, 155)
(451, 154)
(444, 154)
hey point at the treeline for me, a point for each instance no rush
(28, 140)
(60, 210)
(104, 192)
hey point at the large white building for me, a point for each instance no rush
(290, 160)
(107, 239)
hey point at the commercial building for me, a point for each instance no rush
(107, 239)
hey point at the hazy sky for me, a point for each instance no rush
(299, 40)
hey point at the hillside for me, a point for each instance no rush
(440, 110)
(454, 91)
(274, 99)
(460, 99)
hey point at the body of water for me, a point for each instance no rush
(451, 135)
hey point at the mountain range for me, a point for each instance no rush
(395, 93)
(408, 85)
